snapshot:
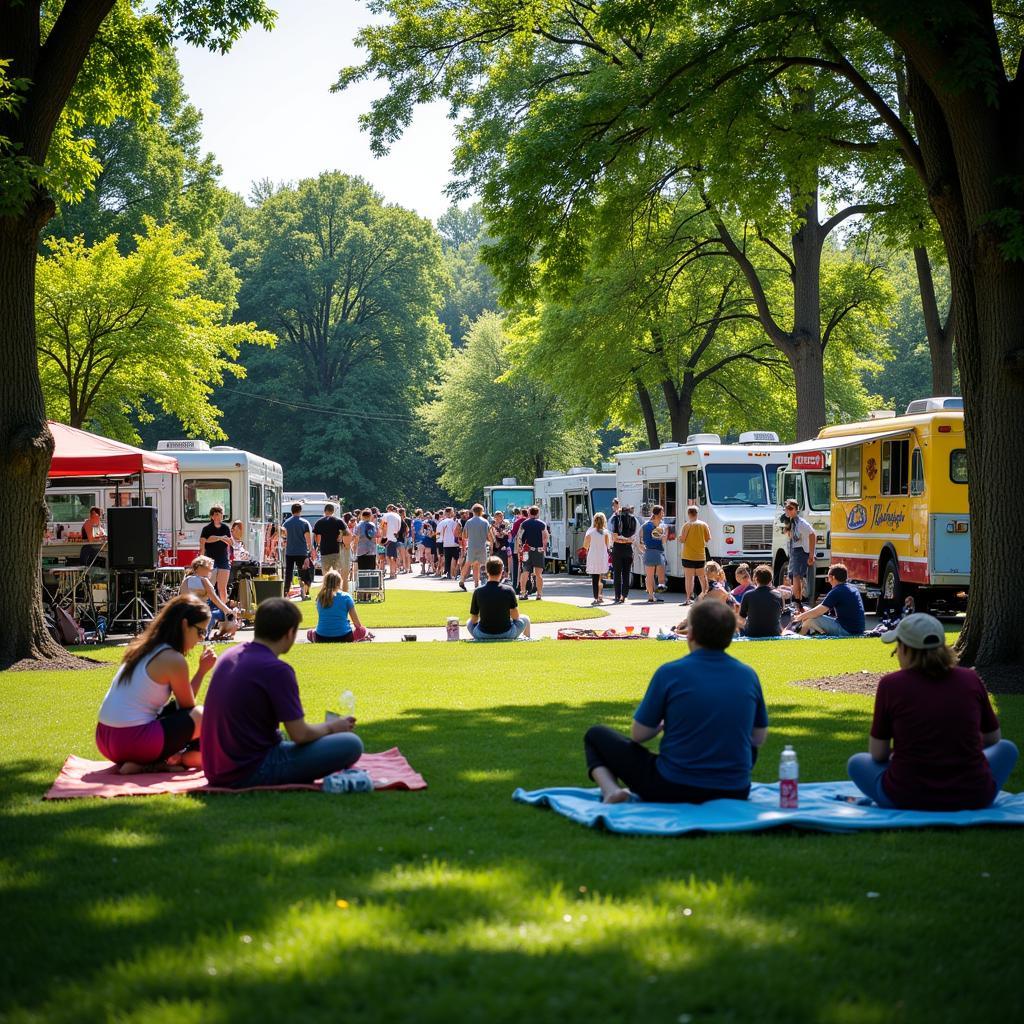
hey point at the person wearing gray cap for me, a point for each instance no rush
(935, 742)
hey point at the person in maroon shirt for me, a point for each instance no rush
(935, 742)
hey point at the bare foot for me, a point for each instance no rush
(617, 796)
(131, 768)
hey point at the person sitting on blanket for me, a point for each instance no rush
(843, 601)
(761, 608)
(494, 608)
(712, 713)
(139, 727)
(935, 743)
(334, 608)
(250, 694)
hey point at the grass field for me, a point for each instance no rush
(458, 905)
(432, 608)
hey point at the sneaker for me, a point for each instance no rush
(462, 585)
(661, 588)
(311, 635)
(348, 780)
(651, 600)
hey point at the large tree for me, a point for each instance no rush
(959, 145)
(491, 420)
(117, 332)
(61, 64)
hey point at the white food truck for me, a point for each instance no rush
(733, 486)
(506, 496)
(567, 503)
(807, 479)
(248, 486)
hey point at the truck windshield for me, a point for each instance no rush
(772, 469)
(602, 500)
(736, 485)
(819, 491)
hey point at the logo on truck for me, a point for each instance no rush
(857, 518)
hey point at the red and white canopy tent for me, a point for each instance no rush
(77, 453)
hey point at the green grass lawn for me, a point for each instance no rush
(462, 906)
(432, 608)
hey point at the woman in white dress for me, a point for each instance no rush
(597, 543)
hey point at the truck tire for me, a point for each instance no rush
(891, 590)
(781, 568)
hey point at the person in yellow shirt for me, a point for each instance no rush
(695, 536)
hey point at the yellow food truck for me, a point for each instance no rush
(900, 518)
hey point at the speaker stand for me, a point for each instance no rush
(135, 612)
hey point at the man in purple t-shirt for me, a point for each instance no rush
(252, 691)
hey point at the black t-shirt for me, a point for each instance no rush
(327, 530)
(216, 548)
(500, 541)
(493, 602)
(532, 532)
(762, 608)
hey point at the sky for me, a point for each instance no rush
(268, 112)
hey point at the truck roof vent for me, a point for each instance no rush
(759, 437)
(509, 481)
(183, 445)
(703, 439)
(669, 444)
(548, 473)
(580, 470)
(881, 414)
(934, 405)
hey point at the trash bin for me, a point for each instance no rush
(266, 589)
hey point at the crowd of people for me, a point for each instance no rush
(934, 743)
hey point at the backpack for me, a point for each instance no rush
(371, 531)
(627, 524)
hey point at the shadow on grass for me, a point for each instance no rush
(224, 908)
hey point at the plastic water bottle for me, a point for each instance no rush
(101, 628)
(347, 703)
(789, 775)
(348, 780)
(453, 627)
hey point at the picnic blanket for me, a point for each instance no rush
(824, 807)
(80, 777)
(574, 633)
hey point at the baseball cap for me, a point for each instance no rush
(920, 631)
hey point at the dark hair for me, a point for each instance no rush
(276, 618)
(763, 575)
(296, 507)
(494, 566)
(657, 510)
(710, 624)
(838, 572)
(534, 510)
(165, 628)
(692, 508)
(96, 509)
(328, 509)
(478, 509)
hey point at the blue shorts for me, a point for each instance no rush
(653, 558)
(222, 562)
(391, 548)
(798, 564)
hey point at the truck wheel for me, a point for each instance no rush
(781, 568)
(891, 594)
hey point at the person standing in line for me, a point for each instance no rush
(390, 525)
(597, 543)
(447, 534)
(499, 539)
(653, 538)
(417, 539)
(329, 534)
(935, 742)
(518, 518)
(298, 552)
(694, 537)
(215, 543)
(366, 542)
(623, 527)
(479, 535)
(428, 560)
(532, 542)
(802, 554)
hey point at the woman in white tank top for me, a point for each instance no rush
(137, 728)
(199, 584)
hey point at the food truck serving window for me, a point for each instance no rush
(556, 508)
(958, 465)
(199, 495)
(71, 508)
(847, 462)
(895, 463)
(254, 502)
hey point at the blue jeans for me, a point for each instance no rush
(306, 762)
(866, 773)
(514, 633)
(827, 625)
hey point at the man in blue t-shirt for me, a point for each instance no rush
(711, 711)
(531, 543)
(298, 548)
(843, 601)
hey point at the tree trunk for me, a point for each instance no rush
(807, 357)
(643, 396)
(680, 411)
(940, 338)
(25, 445)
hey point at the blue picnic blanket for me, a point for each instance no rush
(824, 807)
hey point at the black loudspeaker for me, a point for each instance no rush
(131, 537)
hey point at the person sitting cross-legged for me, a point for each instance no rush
(336, 619)
(843, 601)
(252, 691)
(494, 608)
(711, 711)
(935, 742)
